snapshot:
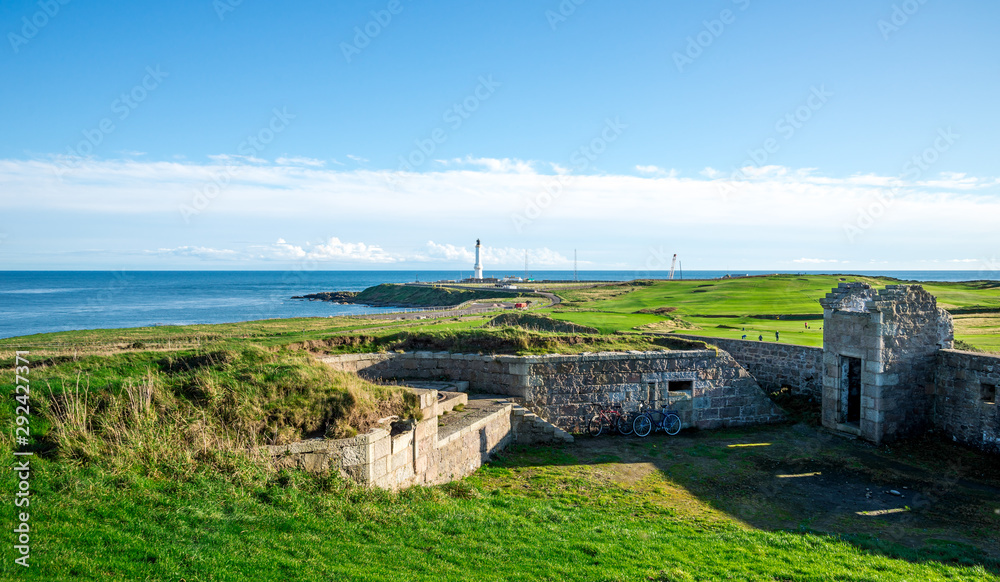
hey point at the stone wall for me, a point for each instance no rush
(775, 365)
(708, 388)
(962, 408)
(489, 374)
(895, 334)
(463, 451)
(428, 452)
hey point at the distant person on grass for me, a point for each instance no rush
(760, 338)
(775, 336)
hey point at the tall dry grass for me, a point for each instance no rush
(142, 428)
(189, 411)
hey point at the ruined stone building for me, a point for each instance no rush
(879, 356)
(887, 370)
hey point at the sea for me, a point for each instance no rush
(33, 302)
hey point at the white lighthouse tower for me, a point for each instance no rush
(479, 265)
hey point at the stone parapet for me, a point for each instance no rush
(441, 448)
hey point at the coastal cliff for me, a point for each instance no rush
(393, 295)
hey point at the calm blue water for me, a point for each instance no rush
(46, 301)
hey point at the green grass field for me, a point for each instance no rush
(725, 308)
(702, 506)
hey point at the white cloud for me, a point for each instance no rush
(198, 253)
(775, 209)
(611, 204)
(503, 166)
(300, 161)
(357, 159)
(449, 252)
(333, 250)
(234, 158)
(656, 171)
(816, 261)
(492, 257)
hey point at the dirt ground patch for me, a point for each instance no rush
(927, 494)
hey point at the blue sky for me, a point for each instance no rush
(739, 134)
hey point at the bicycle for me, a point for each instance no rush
(610, 417)
(669, 422)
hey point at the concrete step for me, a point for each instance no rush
(532, 424)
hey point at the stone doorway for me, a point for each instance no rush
(850, 390)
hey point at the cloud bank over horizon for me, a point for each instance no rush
(232, 211)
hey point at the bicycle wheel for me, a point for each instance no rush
(642, 425)
(595, 426)
(624, 425)
(672, 424)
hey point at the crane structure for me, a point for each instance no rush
(673, 264)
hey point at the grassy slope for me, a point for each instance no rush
(187, 403)
(538, 514)
(313, 333)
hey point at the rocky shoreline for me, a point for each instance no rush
(351, 298)
(334, 296)
(395, 295)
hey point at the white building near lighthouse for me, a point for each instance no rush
(479, 265)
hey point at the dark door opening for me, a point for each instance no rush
(850, 385)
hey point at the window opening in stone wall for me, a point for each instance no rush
(680, 385)
(989, 393)
(850, 386)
